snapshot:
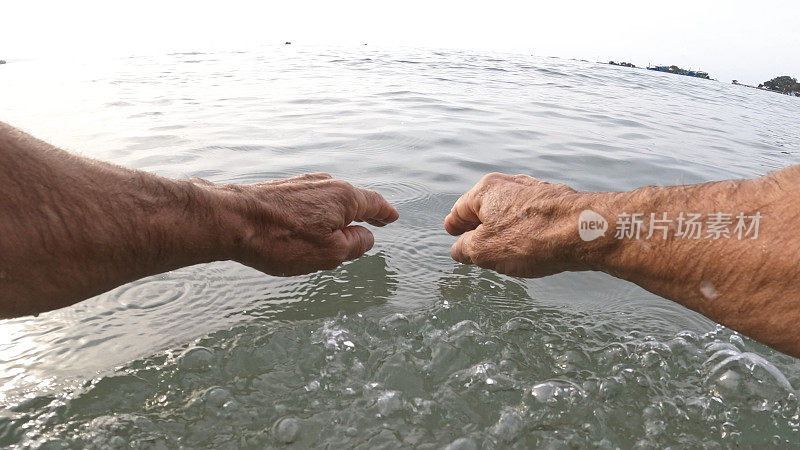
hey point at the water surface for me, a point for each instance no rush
(402, 347)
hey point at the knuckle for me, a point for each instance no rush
(341, 252)
(236, 188)
(478, 252)
(341, 185)
(494, 176)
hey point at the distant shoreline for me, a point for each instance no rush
(794, 91)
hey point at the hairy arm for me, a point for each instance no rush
(525, 227)
(74, 227)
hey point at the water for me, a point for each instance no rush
(402, 347)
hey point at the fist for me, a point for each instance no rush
(517, 225)
(303, 224)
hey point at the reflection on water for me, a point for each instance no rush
(348, 289)
(482, 366)
(401, 348)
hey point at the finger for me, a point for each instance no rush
(374, 209)
(312, 176)
(460, 251)
(316, 176)
(373, 222)
(359, 241)
(464, 215)
(528, 180)
(200, 181)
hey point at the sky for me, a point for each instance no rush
(744, 40)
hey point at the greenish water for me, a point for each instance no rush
(401, 348)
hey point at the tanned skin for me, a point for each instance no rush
(524, 227)
(73, 227)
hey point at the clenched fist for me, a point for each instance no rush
(302, 224)
(517, 225)
(521, 226)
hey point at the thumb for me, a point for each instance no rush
(359, 241)
(462, 248)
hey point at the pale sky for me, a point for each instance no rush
(749, 41)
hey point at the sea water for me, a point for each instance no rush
(403, 347)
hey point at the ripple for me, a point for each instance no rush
(403, 347)
(429, 371)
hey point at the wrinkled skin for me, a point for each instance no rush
(81, 227)
(303, 224)
(521, 226)
(515, 225)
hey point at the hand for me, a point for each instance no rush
(300, 225)
(517, 225)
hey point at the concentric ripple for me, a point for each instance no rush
(402, 348)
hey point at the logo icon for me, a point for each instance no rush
(591, 225)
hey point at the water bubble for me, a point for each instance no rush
(424, 407)
(571, 360)
(57, 444)
(509, 425)
(399, 372)
(230, 406)
(519, 324)
(463, 329)
(680, 346)
(554, 390)
(746, 376)
(508, 366)
(462, 443)
(216, 396)
(654, 427)
(651, 359)
(688, 336)
(348, 391)
(394, 322)
(357, 369)
(389, 403)
(196, 359)
(604, 444)
(351, 432)
(721, 348)
(287, 429)
(330, 335)
(737, 341)
(611, 387)
(446, 359)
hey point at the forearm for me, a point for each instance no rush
(74, 227)
(751, 284)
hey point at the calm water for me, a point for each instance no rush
(402, 347)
